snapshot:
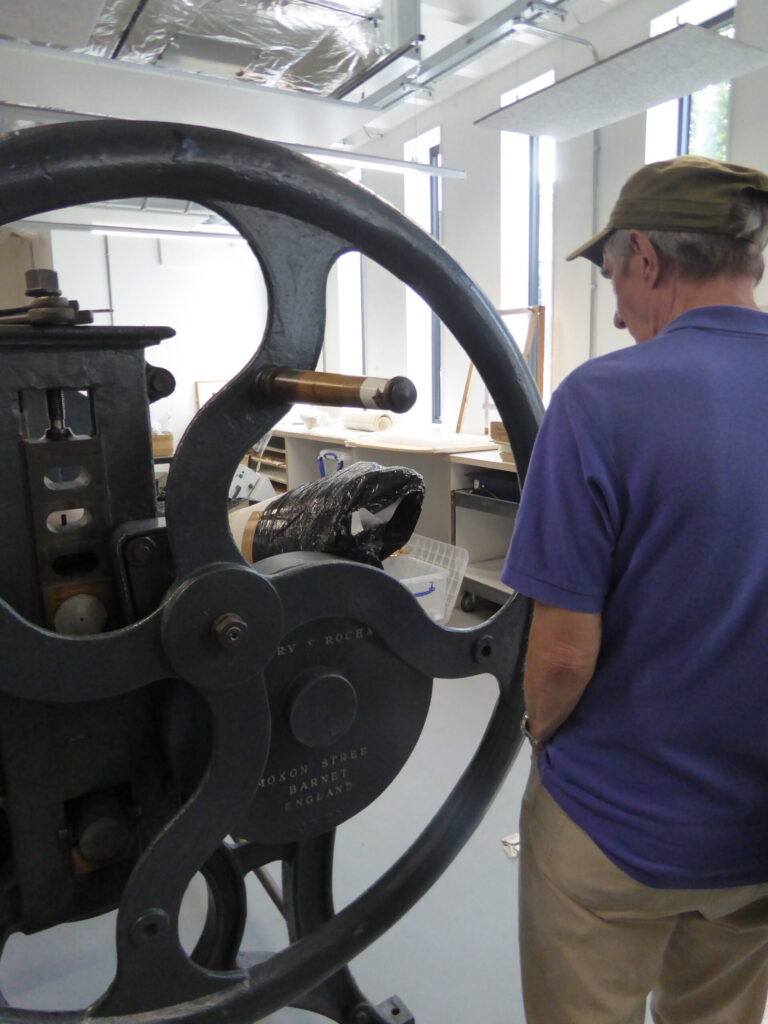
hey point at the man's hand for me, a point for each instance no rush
(562, 652)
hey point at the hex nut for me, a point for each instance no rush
(230, 631)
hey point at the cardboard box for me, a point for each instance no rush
(498, 433)
(162, 444)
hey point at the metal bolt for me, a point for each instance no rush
(230, 631)
(104, 840)
(483, 648)
(42, 282)
(141, 551)
(160, 382)
(150, 925)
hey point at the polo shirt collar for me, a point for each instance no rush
(736, 319)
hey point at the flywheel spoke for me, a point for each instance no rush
(295, 260)
(60, 669)
(369, 596)
(153, 970)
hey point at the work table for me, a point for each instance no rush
(451, 512)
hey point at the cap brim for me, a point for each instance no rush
(593, 249)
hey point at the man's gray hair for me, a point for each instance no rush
(696, 255)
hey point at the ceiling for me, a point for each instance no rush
(275, 68)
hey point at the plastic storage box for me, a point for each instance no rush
(426, 582)
(432, 571)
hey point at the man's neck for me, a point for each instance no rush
(684, 295)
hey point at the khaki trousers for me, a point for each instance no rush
(594, 942)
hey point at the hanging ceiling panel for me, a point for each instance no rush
(668, 66)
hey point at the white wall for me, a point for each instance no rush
(210, 291)
(21, 249)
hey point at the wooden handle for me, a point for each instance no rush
(281, 384)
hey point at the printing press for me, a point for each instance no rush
(165, 708)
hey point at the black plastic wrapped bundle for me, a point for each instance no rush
(364, 513)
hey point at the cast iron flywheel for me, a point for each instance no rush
(298, 218)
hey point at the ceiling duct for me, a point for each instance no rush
(306, 45)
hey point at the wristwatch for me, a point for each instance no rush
(536, 743)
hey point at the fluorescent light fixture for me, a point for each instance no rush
(158, 233)
(374, 163)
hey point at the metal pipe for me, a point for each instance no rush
(558, 35)
(474, 42)
(128, 29)
(271, 888)
(282, 384)
(347, 87)
(450, 57)
(593, 278)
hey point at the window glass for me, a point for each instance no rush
(707, 122)
(526, 218)
(697, 123)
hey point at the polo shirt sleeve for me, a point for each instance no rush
(564, 536)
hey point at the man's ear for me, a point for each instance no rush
(651, 265)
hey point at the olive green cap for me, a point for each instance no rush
(688, 193)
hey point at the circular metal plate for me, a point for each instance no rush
(307, 790)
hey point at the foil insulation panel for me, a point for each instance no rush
(306, 45)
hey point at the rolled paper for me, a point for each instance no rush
(242, 525)
(366, 419)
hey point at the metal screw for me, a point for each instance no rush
(141, 551)
(230, 631)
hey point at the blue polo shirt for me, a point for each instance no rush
(647, 501)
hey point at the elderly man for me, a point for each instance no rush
(643, 538)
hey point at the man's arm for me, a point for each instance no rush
(562, 652)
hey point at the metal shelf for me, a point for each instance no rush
(481, 579)
(485, 503)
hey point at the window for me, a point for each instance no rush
(423, 204)
(527, 187)
(703, 118)
(697, 123)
